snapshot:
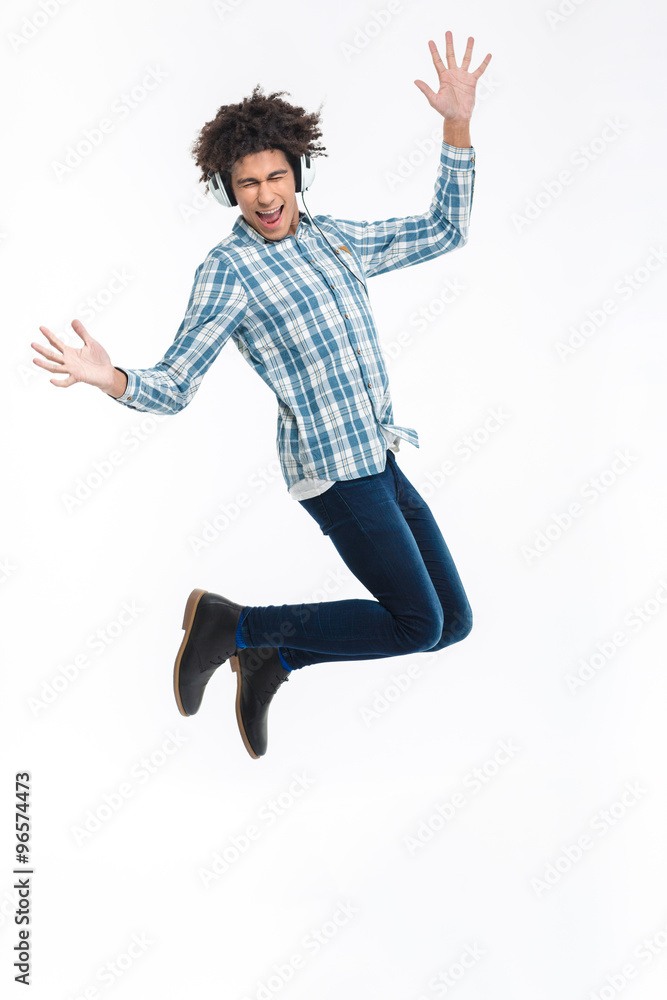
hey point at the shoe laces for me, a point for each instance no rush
(271, 685)
(221, 659)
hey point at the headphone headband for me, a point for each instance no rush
(220, 182)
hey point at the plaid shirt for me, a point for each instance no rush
(304, 323)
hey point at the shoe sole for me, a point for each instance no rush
(236, 669)
(188, 619)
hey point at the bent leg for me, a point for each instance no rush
(457, 613)
(439, 564)
(364, 521)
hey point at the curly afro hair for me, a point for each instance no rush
(259, 122)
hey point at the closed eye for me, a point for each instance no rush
(247, 182)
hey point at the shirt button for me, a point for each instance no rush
(129, 398)
(369, 385)
(346, 316)
(358, 351)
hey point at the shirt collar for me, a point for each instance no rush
(244, 230)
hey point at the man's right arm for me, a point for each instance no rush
(216, 308)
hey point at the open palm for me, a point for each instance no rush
(89, 363)
(455, 98)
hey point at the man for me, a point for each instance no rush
(290, 291)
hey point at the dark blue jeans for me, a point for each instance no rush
(387, 536)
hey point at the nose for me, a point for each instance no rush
(265, 194)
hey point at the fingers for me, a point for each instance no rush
(47, 367)
(56, 364)
(451, 58)
(425, 89)
(467, 55)
(80, 329)
(46, 354)
(449, 50)
(57, 367)
(51, 337)
(482, 66)
(437, 61)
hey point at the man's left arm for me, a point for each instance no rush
(398, 242)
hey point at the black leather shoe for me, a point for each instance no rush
(210, 638)
(259, 674)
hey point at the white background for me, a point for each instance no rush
(577, 97)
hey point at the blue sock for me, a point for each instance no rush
(284, 661)
(240, 644)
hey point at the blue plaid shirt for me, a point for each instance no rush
(304, 323)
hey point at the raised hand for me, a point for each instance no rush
(455, 98)
(89, 363)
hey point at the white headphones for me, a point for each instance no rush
(220, 182)
(220, 186)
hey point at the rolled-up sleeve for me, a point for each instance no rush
(216, 309)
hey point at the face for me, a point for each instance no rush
(261, 183)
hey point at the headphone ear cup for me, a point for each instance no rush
(304, 172)
(220, 187)
(297, 167)
(307, 172)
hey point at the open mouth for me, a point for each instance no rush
(271, 218)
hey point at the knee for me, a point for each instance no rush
(456, 627)
(424, 631)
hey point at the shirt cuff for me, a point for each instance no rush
(131, 389)
(457, 157)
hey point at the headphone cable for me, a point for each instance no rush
(362, 283)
